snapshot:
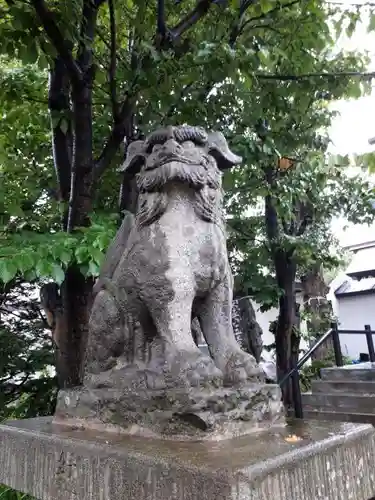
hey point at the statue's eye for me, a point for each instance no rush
(156, 148)
(188, 144)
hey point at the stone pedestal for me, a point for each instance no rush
(302, 461)
(187, 414)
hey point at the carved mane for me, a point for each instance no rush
(192, 157)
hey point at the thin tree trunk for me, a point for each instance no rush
(74, 170)
(76, 293)
(62, 139)
(295, 339)
(286, 270)
(73, 159)
(285, 274)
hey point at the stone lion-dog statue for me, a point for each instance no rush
(175, 263)
(168, 265)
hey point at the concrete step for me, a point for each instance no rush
(364, 373)
(337, 416)
(333, 386)
(351, 403)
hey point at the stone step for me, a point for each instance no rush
(351, 403)
(339, 416)
(364, 374)
(333, 386)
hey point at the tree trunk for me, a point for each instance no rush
(285, 274)
(62, 139)
(70, 104)
(295, 337)
(74, 169)
(76, 293)
(80, 202)
(286, 270)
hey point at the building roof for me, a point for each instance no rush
(352, 287)
(360, 246)
(363, 263)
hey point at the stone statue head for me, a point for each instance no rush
(181, 154)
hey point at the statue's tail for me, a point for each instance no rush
(114, 252)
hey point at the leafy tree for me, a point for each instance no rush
(291, 234)
(27, 385)
(108, 67)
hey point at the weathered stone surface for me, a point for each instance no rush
(115, 251)
(246, 328)
(184, 413)
(167, 265)
(323, 462)
(175, 264)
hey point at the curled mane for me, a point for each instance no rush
(205, 179)
(174, 155)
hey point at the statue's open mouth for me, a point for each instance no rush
(174, 158)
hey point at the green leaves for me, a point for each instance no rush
(371, 26)
(8, 270)
(365, 161)
(205, 80)
(57, 274)
(34, 255)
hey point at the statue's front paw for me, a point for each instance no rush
(196, 369)
(203, 371)
(241, 367)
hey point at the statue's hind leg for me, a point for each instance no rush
(106, 334)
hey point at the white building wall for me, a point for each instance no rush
(265, 318)
(353, 314)
(335, 284)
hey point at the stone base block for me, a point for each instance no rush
(302, 461)
(181, 413)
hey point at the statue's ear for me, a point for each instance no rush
(218, 148)
(135, 158)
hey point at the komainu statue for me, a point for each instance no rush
(168, 265)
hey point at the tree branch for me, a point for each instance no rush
(87, 34)
(346, 5)
(279, 7)
(113, 61)
(50, 26)
(238, 29)
(199, 11)
(286, 228)
(303, 226)
(296, 78)
(62, 140)
(121, 129)
(271, 217)
(108, 45)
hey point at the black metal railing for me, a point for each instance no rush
(333, 333)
